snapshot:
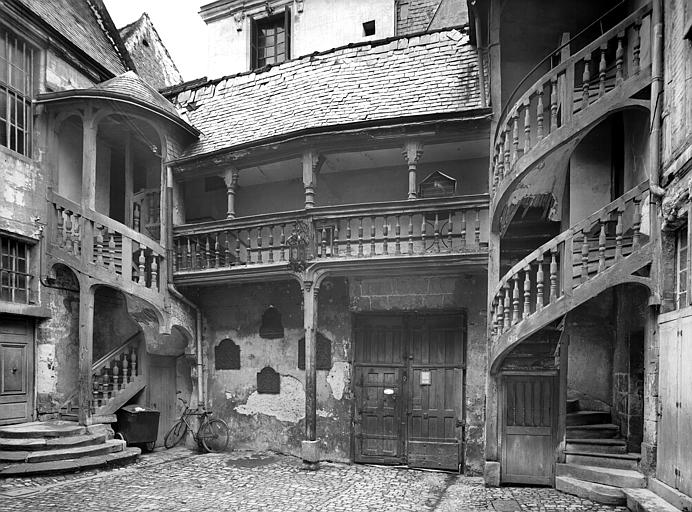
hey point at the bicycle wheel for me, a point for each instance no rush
(175, 434)
(214, 435)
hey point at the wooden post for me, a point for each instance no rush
(86, 340)
(309, 323)
(129, 183)
(230, 177)
(312, 163)
(89, 163)
(413, 151)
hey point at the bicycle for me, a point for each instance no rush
(211, 436)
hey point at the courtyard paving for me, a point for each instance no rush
(181, 480)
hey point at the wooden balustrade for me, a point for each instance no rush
(425, 226)
(572, 259)
(114, 372)
(572, 86)
(94, 240)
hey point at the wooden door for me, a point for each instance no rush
(666, 469)
(380, 395)
(435, 408)
(161, 391)
(684, 440)
(528, 428)
(16, 370)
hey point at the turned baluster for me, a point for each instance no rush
(154, 271)
(539, 114)
(188, 256)
(248, 248)
(515, 299)
(500, 311)
(95, 387)
(360, 237)
(282, 241)
(477, 229)
(602, 71)
(270, 242)
(410, 234)
(619, 59)
(585, 79)
(207, 252)
(77, 242)
(527, 126)
(397, 233)
(553, 274)
(372, 236)
(236, 235)
(618, 235)
(584, 256)
(450, 231)
(636, 46)
(493, 317)
(602, 247)
(199, 253)
(463, 230)
(60, 233)
(527, 291)
(500, 161)
(515, 137)
(69, 246)
(227, 249)
(106, 383)
(142, 279)
(99, 244)
(553, 104)
(496, 177)
(540, 300)
(133, 362)
(323, 242)
(636, 224)
(385, 236)
(111, 250)
(507, 151)
(217, 252)
(508, 305)
(436, 233)
(259, 245)
(348, 237)
(115, 372)
(335, 240)
(126, 370)
(423, 227)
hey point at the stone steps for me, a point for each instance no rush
(587, 418)
(611, 445)
(644, 500)
(608, 460)
(123, 457)
(47, 443)
(42, 429)
(596, 431)
(603, 475)
(599, 493)
(110, 446)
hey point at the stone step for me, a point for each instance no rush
(572, 405)
(125, 456)
(38, 429)
(587, 418)
(114, 445)
(49, 443)
(606, 460)
(599, 493)
(644, 500)
(600, 475)
(612, 445)
(598, 431)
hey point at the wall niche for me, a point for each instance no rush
(323, 356)
(271, 327)
(227, 355)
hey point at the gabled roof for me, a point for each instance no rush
(150, 55)
(87, 25)
(427, 74)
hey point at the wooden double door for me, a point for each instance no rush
(409, 376)
(16, 370)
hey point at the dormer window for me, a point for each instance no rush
(271, 40)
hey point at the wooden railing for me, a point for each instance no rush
(570, 260)
(401, 228)
(568, 90)
(93, 240)
(115, 372)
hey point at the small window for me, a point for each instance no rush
(682, 267)
(271, 40)
(15, 276)
(369, 28)
(16, 90)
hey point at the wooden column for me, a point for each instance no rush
(86, 340)
(89, 162)
(129, 182)
(230, 177)
(310, 323)
(413, 150)
(312, 162)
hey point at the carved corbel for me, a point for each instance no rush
(239, 19)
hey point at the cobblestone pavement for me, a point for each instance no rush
(180, 480)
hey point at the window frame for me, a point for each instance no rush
(682, 267)
(9, 246)
(256, 24)
(10, 94)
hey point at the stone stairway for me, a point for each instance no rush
(59, 446)
(597, 465)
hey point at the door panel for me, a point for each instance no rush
(528, 441)
(684, 440)
(668, 395)
(16, 370)
(161, 392)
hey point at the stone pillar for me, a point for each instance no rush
(86, 342)
(310, 447)
(312, 162)
(413, 151)
(230, 177)
(89, 162)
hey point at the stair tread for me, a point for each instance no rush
(605, 441)
(612, 471)
(40, 429)
(599, 493)
(69, 465)
(614, 477)
(628, 456)
(31, 444)
(595, 426)
(112, 445)
(648, 501)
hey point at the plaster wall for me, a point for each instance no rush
(23, 193)
(103, 177)
(61, 76)
(69, 175)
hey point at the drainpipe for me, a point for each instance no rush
(176, 293)
(656, 98)
(479, 54)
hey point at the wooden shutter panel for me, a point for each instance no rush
(254, 55)
(287, 29)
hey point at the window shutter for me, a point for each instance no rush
(253, 44)
(287, 29)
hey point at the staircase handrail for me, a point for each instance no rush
(585, 223)
(511, 103)
(101, 362)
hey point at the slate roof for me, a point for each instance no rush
(434, 73)
(420, 14)
(130, 84)
(79, 22)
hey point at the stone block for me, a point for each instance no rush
(491, 474)
(403, 301)
(379, 303)
(310, 451)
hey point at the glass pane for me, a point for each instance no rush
(270, 40)
(280, 37)
(269, 60)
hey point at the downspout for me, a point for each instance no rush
(656, 98)
(176, 293)
(479, 54)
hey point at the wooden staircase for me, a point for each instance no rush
(605, 249)
(117, 377)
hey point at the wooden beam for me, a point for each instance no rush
(309, 323)
(86, 341)
(89, 162)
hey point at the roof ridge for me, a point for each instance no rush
(197, 83)
(105, 22)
